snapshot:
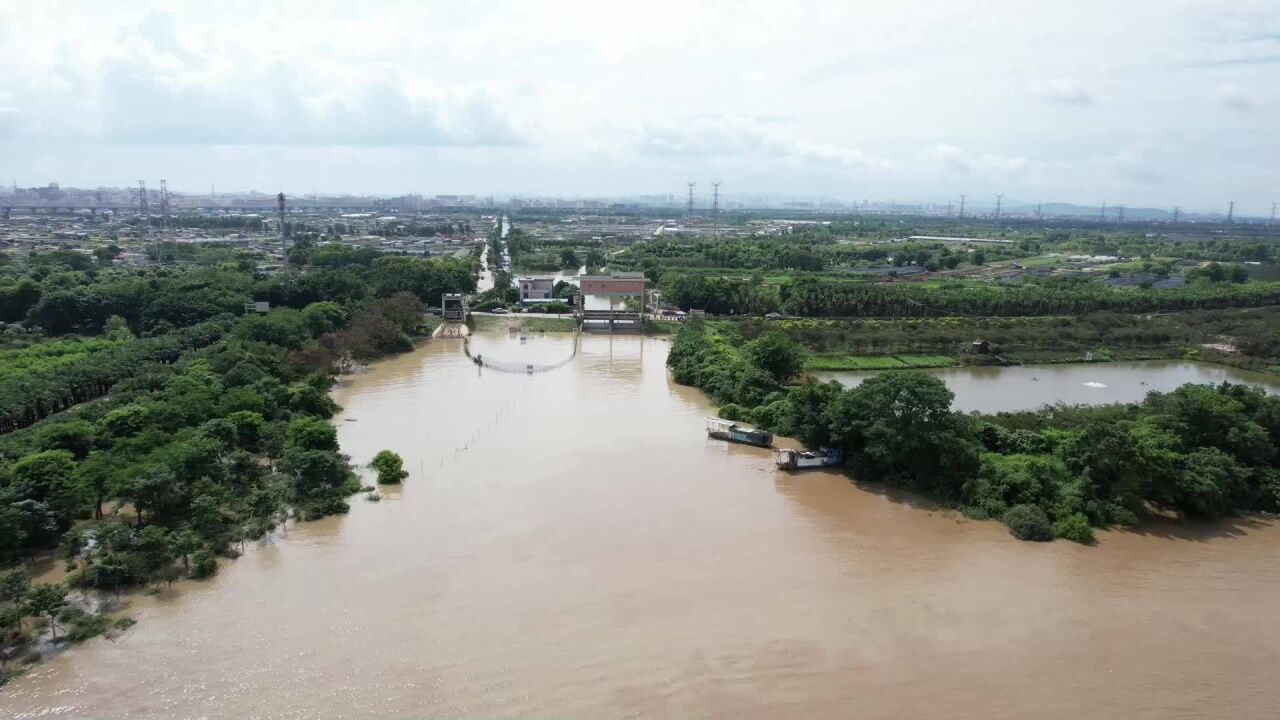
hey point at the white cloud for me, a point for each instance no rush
(1233, 97)
(1064, 92)
(951, 159)
(1000, 164)
(885, 100)
(745, 138)
(150, 86)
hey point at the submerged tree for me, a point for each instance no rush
(389, 466)
(45, 601)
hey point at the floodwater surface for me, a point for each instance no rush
(570, 545)
(1008, 389)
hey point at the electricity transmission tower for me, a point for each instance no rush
(164, 207)
(962, 197)
(691, 184)
(999, 200)
(284, 240)
(715, 208)
(145, 211)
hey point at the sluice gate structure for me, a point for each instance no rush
(611, 302)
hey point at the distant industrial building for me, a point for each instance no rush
(965, 240)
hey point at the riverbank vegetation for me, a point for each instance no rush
(1248, 338)
(1200, 450)
(877, 362)
(208, 427)
(807, 296)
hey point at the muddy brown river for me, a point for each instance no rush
(1002, 389)
(570, 545)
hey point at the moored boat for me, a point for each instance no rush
(789, 459)
(731, 431)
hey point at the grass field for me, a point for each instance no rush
(546, 324)
(482, 323)
(877, 362)
(661, 327)
(926, 361)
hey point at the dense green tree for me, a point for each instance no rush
(389, 466)
(45, 600)
(311, 433)
(14, 584)
(900, 426)
(1074, 527)
(778, 355)
(17, 299)
(1210, 483)
(1028, 522)
(1004, 481)
(155, 548)
(285, 327)
(429, 279)
(46, 477)
(75, 436)
(805, 416)
(317, 475)
(323, 317)
(182, 544)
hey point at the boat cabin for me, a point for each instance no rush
(731, 431)
(789, 459)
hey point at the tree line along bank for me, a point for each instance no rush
(1200, 450)
(195, 429)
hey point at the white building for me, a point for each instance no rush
(536, 289)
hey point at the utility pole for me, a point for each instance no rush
(284, 241)
(999, 199)
(1231, 212)
(690, 207)
(715, 208)
(962, 197)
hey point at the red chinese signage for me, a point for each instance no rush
(611, 286)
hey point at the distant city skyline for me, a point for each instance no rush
(111, 196)
(1150, 104)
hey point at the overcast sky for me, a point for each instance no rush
(1142, 102)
